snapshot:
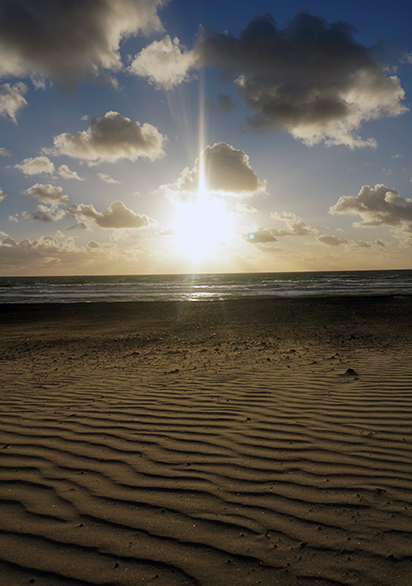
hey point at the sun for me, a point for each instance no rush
(200, 227)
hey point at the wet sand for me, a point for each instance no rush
(213, 443)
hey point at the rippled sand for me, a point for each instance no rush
(265, 442)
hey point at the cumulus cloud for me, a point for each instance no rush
(44, 214)
(12, 99)
(67, 173)
(377, 206)
(36, 166)
(111, 138)
(4, 152)
(164, 63)
(2, 194)
(117, 216)
(226, 170)
(47, 194)
(107, 179)
(310, 79)
(70, 38)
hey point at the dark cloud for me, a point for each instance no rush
(111, 138)
(334, 241)
(310, 79)
(226, 171)
(261, 236)
(329, 240)
(44, 214)
(67, 39)
(223, 105)
(377, 206)
(117, 216)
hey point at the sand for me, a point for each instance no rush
(214, 443)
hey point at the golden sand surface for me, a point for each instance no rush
(212, 443)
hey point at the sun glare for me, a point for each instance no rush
(200, 227)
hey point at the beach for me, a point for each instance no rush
(238, 442)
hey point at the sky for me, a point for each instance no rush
(180, 136)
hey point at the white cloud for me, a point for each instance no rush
(227, 171)
(107, 179)
(378, 206)
(70, 39)
(164, 63)
(36, 166)
(4, 152)
(111, 138)
(310, 79)
(47, 194)
(67, 173)
(2, 194)
(12, 99)
(117, 216)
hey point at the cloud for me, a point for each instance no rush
(2, 194)
(224, 104)
(333, 241)
(71, 38)
(67, 173)
(243, 208)
(297, 227)
(12, 99)
(107, 179)
(164, 63)
(111, 138)
(4, 152)
(47, 194)
(48, 255)
(36, 166)
(227, 171)
(310, 79)
(44, 214)
(261, 236)
(117, 216)
(378, 206)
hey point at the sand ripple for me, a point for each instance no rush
(280, 472)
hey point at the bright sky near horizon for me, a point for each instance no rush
(156, 136)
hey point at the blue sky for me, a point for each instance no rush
(145, 136)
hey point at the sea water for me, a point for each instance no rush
(202, 287)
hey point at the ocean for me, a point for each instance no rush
(202, 287)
